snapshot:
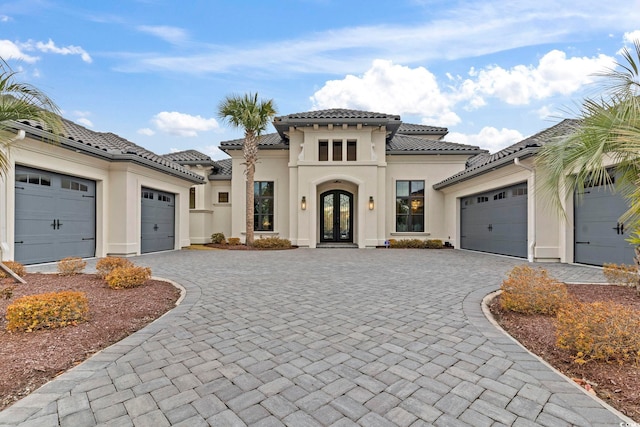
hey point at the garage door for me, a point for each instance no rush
(599, 237)
(495, 221)
(55, 216)
(158, 221)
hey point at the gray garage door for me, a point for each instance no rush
(55, 216)
(158, 221)
(495, 221)
(599, 237)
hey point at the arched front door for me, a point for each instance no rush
(336, 211)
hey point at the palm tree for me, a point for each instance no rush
(252, 115)
(22, 101)
(608, 133)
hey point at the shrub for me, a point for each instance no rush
(271, 243)
(47, 311)
(234, 240)
(599, 331)
(529, 290)
(7, 292)
(104, 266)
(218, 238)
(128, 277)
(14, 266)
(623, 274)
(434, 244)
(71, 266)
(407, 243)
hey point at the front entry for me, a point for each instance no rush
(337, 216)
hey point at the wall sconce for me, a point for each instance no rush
(371, 206)
(303, 203)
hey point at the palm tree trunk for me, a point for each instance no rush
(251, 169)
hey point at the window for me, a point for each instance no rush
(482, 199)
(263, 206)
(522, 191)
(337, 150)
(70, 184)
(223, 197)
(351, 150)
(323, 151)
(192, 198)
(147, 195)
(499, 196)
(34, 178)
(410, 206)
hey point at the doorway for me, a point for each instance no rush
(336, 211)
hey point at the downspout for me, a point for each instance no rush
(4, 246)
(532, 245)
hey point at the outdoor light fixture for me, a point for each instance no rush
(303, 203)
(370, 203)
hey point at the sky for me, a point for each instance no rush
(155, 71)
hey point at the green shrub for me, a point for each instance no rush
(14, 266)
(218, 238)
(71, 266)
(599, 331)
(529, 290)
(47, 311)
(128, 277)
(234, 241)
(272, 243)
(407, 243)
(104, 266)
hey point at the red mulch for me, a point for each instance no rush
(618, 385)
(30, 359)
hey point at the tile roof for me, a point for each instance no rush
(484, 162)
(270, 140)
(338, 113)
(189, 157)
(413, 129)
(110, 146)
(221, 169)
(403, 144)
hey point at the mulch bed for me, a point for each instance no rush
(30, 359)
(618, 385)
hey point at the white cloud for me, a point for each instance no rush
(489, 138)
(390, 88)
(85, 122)
(5, 18)
(10, 50)
(631, 36)
(213, 151)
(146, 132)
(555, 74)
(181, 124)
(50, 47)
(170, 34)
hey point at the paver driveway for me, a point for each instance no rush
(316, 338)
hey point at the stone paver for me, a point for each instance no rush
(315, 338)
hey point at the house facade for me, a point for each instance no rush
(87, 194)
(354, 178)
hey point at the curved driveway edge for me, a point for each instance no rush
(325, 337)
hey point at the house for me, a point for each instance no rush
(356, 178)
(86, 193)
(328, 178)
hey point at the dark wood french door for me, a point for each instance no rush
(336, 211)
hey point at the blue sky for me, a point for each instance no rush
(154, 71)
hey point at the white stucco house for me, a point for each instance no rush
(329, 178)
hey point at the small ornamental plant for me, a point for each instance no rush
(603, 331)
(71, 266)
(233, 241)
(621, 274)
(528, 290)
(47, 311)
(14, 266)
(218, 239)
(104, 266)
(433, 244)
(128, 277)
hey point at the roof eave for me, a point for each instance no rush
(504, 161)
(432, 152)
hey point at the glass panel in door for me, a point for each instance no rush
(337, 219)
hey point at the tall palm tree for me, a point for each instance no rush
(22, 101)
(253, 116)
(608, 133)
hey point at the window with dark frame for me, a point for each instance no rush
(337, 150)
(323, 150)
(263, 206)
(410, 206)
(223, 197)
(352, 148)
